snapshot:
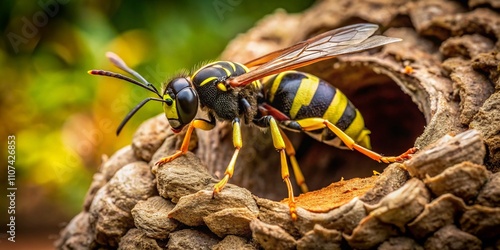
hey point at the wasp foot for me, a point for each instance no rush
(404, 156)
(169, 158)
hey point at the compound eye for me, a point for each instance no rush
(178, 84)
(187, 104)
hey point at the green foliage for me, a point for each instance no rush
(65, 119)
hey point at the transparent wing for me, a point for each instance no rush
(339, 41)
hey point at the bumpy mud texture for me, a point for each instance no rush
(444, 75)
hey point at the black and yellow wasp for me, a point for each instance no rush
(270, 95)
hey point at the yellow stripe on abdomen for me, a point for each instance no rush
(304, 95)
(275, 85)
(356, 126)
(336, 107)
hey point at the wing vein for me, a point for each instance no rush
(349, 39)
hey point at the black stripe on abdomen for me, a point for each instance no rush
(347, 117)
(319, 103)
(286, 92)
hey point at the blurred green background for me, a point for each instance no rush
(63, 119)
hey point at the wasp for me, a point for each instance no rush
(269, 93)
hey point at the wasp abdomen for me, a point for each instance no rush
(299, 95)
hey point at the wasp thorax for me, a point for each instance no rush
(181, 102)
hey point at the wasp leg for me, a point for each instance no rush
(310, 124)
(238, 143)
(280, 145)
(290, 151)
(245, 105)
(197, 123)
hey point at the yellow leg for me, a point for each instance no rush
(238, 143)
(309, 124)
(198, 123)
(280, 145)
(290, 151)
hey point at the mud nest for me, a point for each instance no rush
(438, 90)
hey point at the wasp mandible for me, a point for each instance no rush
(271, 95)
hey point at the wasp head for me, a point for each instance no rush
(180, 103)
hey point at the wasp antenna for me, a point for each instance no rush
(118, 62)
(122, 77)
(133, 111)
